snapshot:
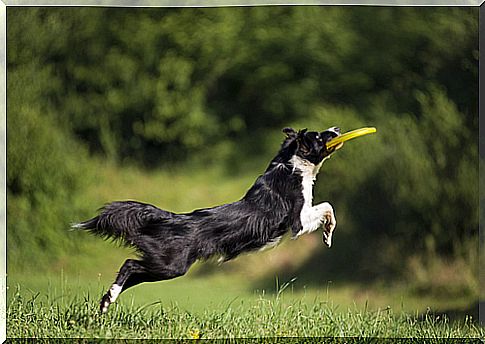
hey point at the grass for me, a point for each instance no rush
(196, 293)
(281, 315)
(218, 306)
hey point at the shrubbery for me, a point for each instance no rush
(46, 169)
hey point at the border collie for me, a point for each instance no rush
(168, 244)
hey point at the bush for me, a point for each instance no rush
(46, 168)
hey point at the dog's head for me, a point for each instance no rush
(311, 145)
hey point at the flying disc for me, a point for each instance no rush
(350, 135)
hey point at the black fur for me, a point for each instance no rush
(169, 243)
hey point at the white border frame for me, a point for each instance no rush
(3, 172)
(239, 3)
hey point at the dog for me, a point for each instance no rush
(280, 201)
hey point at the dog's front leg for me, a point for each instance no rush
(313, 217)
(329, 222)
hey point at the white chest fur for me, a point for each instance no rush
(310, 220)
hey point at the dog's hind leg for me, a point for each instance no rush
(133, 272)
(130, 268)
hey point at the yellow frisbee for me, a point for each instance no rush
(350, 135)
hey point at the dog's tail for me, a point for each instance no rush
(123, 220)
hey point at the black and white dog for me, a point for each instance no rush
(279, 201)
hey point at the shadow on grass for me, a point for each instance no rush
(469, 313)
(348, 261)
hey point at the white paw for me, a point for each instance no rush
(330, 222)
(104, 307)
(104, 304)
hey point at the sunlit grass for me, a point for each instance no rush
(47, 315)
(196, 294)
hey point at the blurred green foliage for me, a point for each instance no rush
(46, 167)
(162, 86)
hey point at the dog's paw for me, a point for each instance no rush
(330, 222)
(104, 304)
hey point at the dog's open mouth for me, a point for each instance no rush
(337, 147)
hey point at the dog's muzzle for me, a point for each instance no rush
(335, 130)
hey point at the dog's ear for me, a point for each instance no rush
(290, 133)
(304, 148)
(302, 131)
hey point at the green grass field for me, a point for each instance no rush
(242, 298)
(197, 308)
(225, 305)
